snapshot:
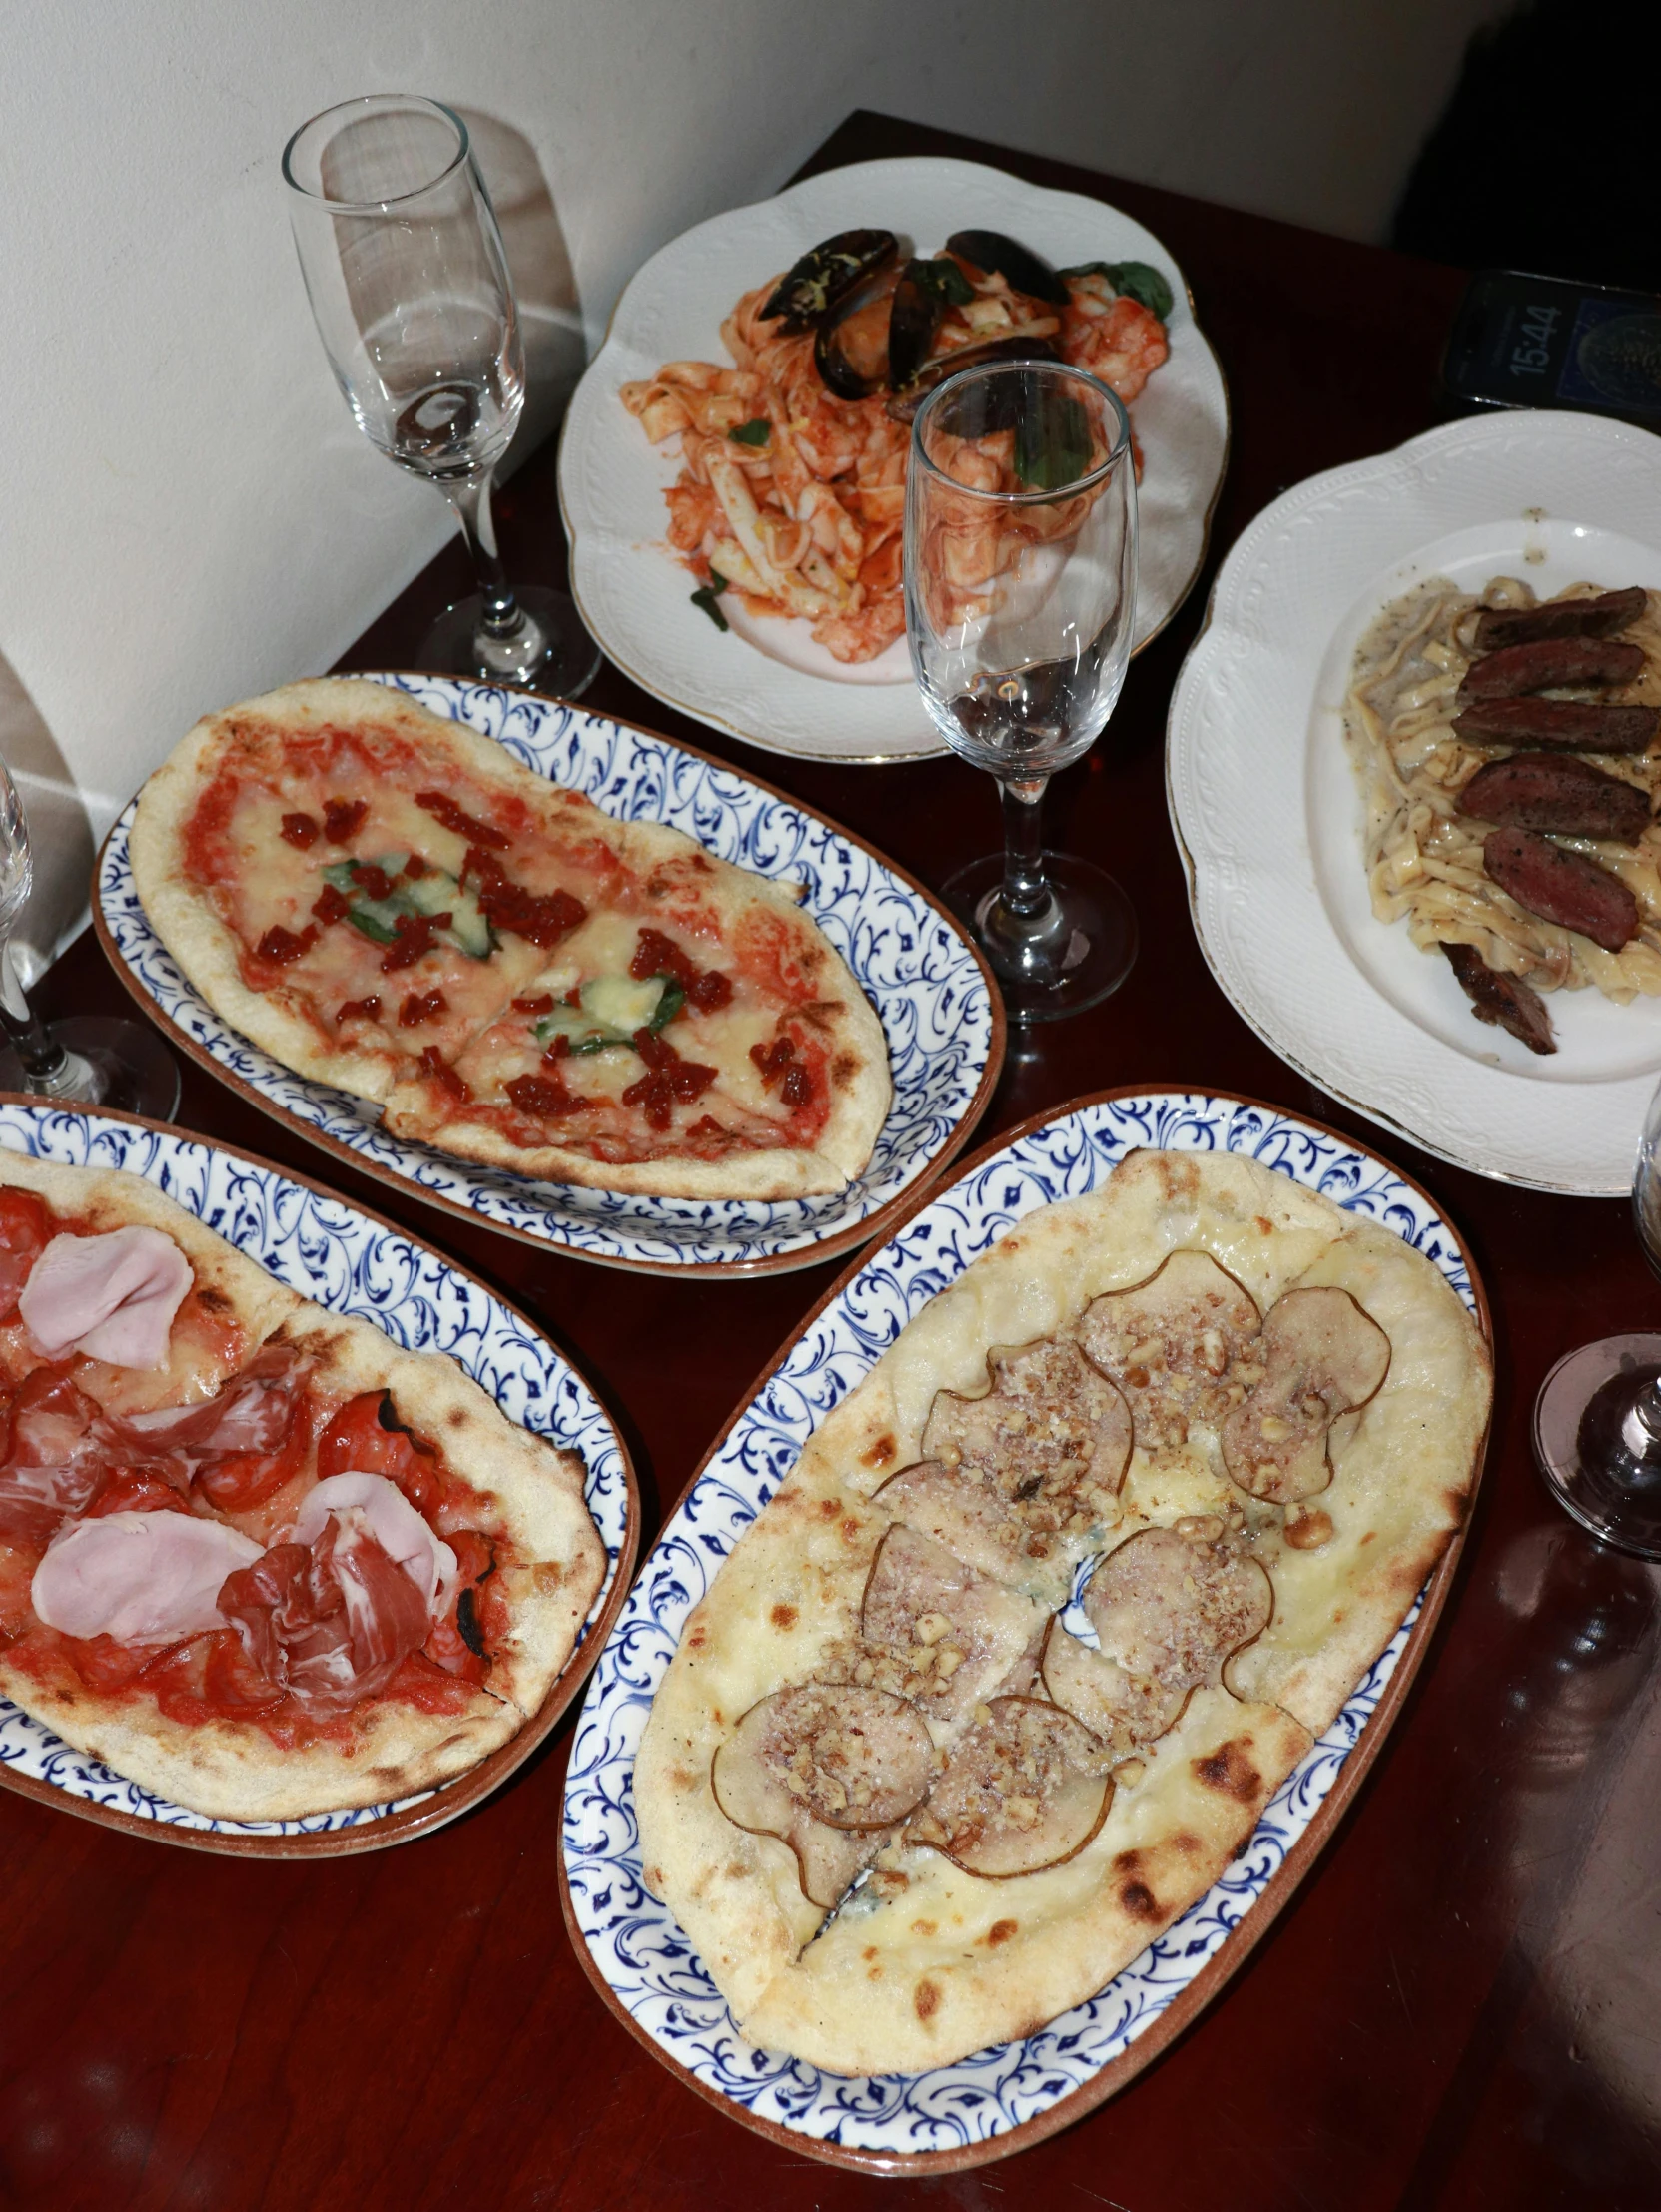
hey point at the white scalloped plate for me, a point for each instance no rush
(1269, 817)
(349, 1262)
(772, 686)
(997, 2100)
(941, 1015)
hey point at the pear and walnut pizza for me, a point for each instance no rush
(909, 1801)
(253, 1555)
(390, 903)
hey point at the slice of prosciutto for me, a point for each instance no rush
(57, 1459)
(140, 1577)
(331, 1614)
(112, 1297)
(251, 1413)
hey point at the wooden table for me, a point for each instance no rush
(1459, 2009)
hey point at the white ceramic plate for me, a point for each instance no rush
(773, 686)
(636, 1951)
(943, 1021)
(1268, 814)
(349, 1262)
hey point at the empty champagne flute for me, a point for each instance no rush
(1597, 1419)
(90, 1059)
(405, 269)
(1020, 575)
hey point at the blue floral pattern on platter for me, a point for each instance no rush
(635, 1942)
(325, 1249)
(913, 963)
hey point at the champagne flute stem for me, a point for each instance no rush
(503, 616)
(43, 1061)
(1026, 887)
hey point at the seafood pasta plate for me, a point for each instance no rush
(1019, 1954)
(765, 677)
(1286, 876)
(381, 1283)
(942, 1021)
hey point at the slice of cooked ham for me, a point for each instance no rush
(112, 1297)
(140, 1577)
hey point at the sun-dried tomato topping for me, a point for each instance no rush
(366, 1438)
(439, 1069)
(560, 1050)
(301, 830)
(411, 937)
(797, 1087)
(280, 945)
(373, 882)
(359, 1010)
(330, 904)
(444, 808)
(242, 1479)
(657, 955)
(573, 997)
(414, 866)
(457, 1641)
(544, 1097)
(667, 1079)
(342, 818)
(542, 1003)
(421, 1006)
(773, 1059)
(25, 1232)
(543, 919)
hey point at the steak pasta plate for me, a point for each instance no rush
(941, 1021)
(764, 679)
(1271, 819)
(1021, 1641)
(379, 1356)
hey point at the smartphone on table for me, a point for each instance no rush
(1536, 341)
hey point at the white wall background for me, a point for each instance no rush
(189, 515)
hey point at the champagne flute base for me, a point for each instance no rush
(1081, 952)
(1597, 1441)
(111, 1064)
(554, 654)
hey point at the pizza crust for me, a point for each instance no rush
(913, 1977)
(205, 948)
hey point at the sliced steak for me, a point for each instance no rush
(1560, 887)
(1515, 669)
(1600, 617)
(1506, 1002)
(1566, 723)
(1557, 792)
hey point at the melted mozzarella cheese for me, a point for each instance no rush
(143, 1578)
(112, 1297)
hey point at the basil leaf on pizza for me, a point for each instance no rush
(253, 1555)
(390, 903)
(905, 1797)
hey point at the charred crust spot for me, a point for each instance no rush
(1368, 1539)
(1265, 1227)
(468, 1623)
(456, 1417)
(925, 1928)
(1000, 1933)
(850, 1532)
(1228, 1770)
(783, 1616)
(213, 1301)
(1140, 1902)
(1187, 1842)
(1178, 1178)
(1457, 1504)
(925, 1999)
(843, 1069)
(1126, 1862)
(387, 1414)
(699, 1639)
(869, 1952)
(880, 1453)
(829, 1508)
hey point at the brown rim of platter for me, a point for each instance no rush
(1232, 1954)
(851, 1238)
(452, 1799)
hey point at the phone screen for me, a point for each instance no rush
(1535, 342)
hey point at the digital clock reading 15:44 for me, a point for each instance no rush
(1530, 356)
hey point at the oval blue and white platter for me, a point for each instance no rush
(962, 2113)
(939, 1011)
(348, 1262)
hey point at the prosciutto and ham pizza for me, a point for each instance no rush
(388, 902)
(251, 1554)
(907, 1796)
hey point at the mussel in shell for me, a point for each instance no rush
(996, 254)
(905, 404)
(825, 276)
(851, 347)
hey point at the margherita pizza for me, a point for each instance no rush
(388, 902)
(905, 1799)
(251, 1554)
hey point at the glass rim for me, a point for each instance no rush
(398, 199)
(1117, 452)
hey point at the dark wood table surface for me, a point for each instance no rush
(1460, 2008)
